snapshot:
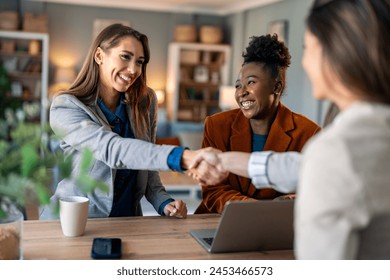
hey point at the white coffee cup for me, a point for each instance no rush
(73, 215)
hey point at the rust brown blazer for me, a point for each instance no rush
(231, 131)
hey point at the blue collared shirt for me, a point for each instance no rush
(174, 159)
(126, 178)
(258, 142)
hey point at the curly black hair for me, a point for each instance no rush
(268, 50)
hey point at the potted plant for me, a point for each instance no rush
(26, 175)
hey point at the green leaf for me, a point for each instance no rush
(86, 161)
(85, 183)
(30, 159)
(55, 207)
(65, 168)
(102, 186)
(42, 194)
(2, 214)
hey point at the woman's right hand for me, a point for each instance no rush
(205, 166)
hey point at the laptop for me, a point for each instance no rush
(250, 226)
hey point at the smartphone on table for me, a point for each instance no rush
(106, 248)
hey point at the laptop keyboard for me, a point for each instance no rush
(209, 240)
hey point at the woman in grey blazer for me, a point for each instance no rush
(110, 110)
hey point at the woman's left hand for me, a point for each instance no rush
(176, 208)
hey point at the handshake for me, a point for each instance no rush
(210, 166)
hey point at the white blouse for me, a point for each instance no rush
(344, 183)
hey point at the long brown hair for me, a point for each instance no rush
(355, 36)
(86, 85)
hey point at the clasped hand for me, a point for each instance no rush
(203, 165)
(206, 167)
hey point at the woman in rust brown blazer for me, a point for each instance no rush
(261, 123)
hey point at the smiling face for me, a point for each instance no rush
(120, 66)
(255, 92)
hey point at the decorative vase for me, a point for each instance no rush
(11, 235)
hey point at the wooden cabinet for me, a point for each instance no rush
(195, 73)
(24, 56)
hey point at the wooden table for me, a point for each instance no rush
(143, 238)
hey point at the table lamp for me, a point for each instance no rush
(63, 78)
(160, 96)
(227, 98)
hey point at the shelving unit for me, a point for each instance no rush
(25, 56)
(195, 73)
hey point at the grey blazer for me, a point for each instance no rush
(80, 126)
